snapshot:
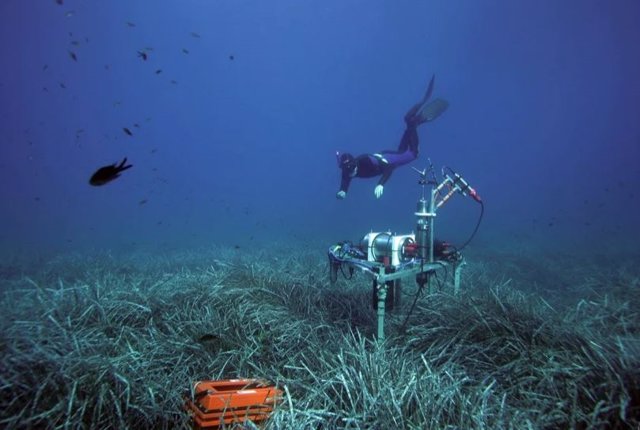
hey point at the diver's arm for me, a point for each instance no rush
(387, 170)
(345, 181)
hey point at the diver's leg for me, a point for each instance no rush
(409, 140)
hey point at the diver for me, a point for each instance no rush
(383, 163)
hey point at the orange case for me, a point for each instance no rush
(231, 401)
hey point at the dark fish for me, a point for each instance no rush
(136, 125)
(45, 67)
(208, 338)
(60, 2)
(131, 24)
(126, 130)
(73, 56)
(185, 50)
(194, 34)
(231, 57)
(143, 201)
(174, 82)
(62, 85)
(158, 71)
(107, 174)
(143, 55)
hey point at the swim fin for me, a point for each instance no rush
(427, 95)
(424, 111)
(432, 110)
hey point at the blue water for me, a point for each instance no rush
(543, 120)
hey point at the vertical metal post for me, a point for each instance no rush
(456, 276)
(432, 215)
(382, 296)
(422, 229)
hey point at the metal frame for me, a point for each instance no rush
(424, 262)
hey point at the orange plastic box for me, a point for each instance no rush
(231, 401)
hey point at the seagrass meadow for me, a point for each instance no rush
(186, 187)
(115, 341)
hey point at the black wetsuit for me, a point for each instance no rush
(383, 163)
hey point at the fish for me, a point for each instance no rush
(143, 55)
(108, 173)
(158, 71)
(143, 201)
(232, 57)
(194, 34)
(73, 56)
(60, 2)
(185, 50)
(127, 131)
(208, 338)
(131, 24)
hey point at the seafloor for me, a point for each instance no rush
(531, 341)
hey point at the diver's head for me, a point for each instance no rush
(346, 161)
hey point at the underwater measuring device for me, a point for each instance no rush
(389, 258)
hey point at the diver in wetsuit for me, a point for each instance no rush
(383, 163)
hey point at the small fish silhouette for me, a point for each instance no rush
(107, 174)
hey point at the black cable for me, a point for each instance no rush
(344, 275)
(404, 324)
(475, 230)
(417, 296)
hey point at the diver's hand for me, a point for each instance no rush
(341, 195)
(378, 191)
